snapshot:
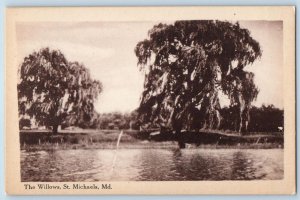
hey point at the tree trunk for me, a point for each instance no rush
(56, 120)
(54, 128)
(180, 139)
(181, 144)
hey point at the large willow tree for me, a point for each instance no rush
(187, 64)
(51, 88)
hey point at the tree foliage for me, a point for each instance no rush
(187, 64)
(50, 88)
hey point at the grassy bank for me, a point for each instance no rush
(107, 139)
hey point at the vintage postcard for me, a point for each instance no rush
(150, 100)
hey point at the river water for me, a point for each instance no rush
(152, 165)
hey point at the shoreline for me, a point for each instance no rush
(104, 139)
(139, 146)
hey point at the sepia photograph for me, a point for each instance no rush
(161, 100)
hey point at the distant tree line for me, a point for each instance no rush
(262, 119)
(108, 121)
(266, 118)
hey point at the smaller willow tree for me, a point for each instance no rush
(187, 64)
(50, 88)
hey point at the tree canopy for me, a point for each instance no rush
(187, 64)
(50, 88)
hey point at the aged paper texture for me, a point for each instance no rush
(150, 100)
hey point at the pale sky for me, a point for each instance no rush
(107, 49)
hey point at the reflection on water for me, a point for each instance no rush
(152, 165)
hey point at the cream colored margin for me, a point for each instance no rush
(284, 13)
